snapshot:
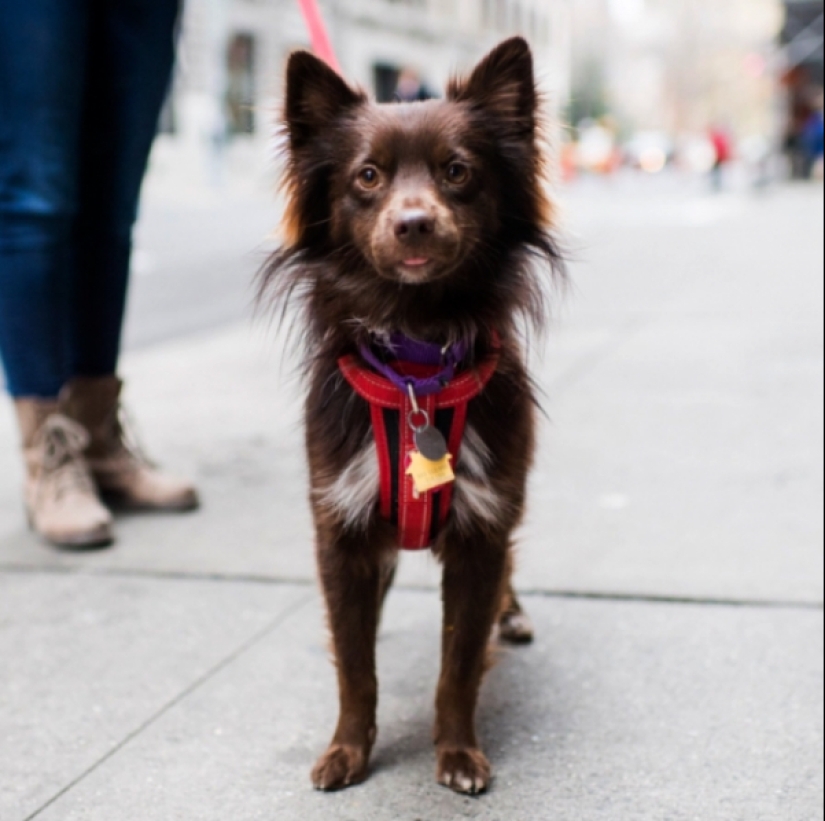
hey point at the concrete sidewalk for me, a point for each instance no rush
(672, 562)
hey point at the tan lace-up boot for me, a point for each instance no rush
(61, 501)
(124, 476)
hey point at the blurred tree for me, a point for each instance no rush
(588, 96)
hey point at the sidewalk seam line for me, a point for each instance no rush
(181, 696)
(158, 575)
(652, 598)
(272, 581)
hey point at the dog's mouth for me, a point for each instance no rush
(418, 265)
(417, 270)
(421, 270)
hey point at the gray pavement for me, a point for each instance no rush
(194, 264)
(672, 558)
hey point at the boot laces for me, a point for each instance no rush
(64, 464)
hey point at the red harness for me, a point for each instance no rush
(419, 518)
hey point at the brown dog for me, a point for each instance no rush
(416, 231)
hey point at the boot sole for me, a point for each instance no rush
(120, 504)
(96, 543)
(100, 538)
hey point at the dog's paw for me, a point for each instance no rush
(464, 771)
(515, 628)
(341, 766)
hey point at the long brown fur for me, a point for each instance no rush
(459, 183)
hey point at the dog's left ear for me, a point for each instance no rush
(502, 85)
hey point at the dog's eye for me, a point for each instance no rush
(369, 176)
(458, 173)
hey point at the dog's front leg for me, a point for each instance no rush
(351, 576)
(475, 572)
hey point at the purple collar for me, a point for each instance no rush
(401, 347)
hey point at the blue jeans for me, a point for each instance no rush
(82, 83)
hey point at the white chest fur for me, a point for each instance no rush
(354, 493)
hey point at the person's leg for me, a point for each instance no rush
(42, 67)
(131, 56)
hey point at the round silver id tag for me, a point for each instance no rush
(430, 443)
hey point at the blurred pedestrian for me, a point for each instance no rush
(410, 87)
(813, 138)
(723, 149)
(81, 87)
(804, 102)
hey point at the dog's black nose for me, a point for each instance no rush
(413, 224)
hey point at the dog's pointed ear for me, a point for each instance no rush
(315, 97)
(503, 85)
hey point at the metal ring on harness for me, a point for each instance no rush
(419, 412)
(416, 411)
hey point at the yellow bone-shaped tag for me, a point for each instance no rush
(427, 475)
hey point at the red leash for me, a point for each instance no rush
(318, 36)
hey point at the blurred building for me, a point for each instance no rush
(802, 38)
(220, 116)
(677, 65)
(801, 65)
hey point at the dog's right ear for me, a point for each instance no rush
(503, 86)
(315, 97)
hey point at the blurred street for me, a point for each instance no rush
(671, 559)
(195, 262)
